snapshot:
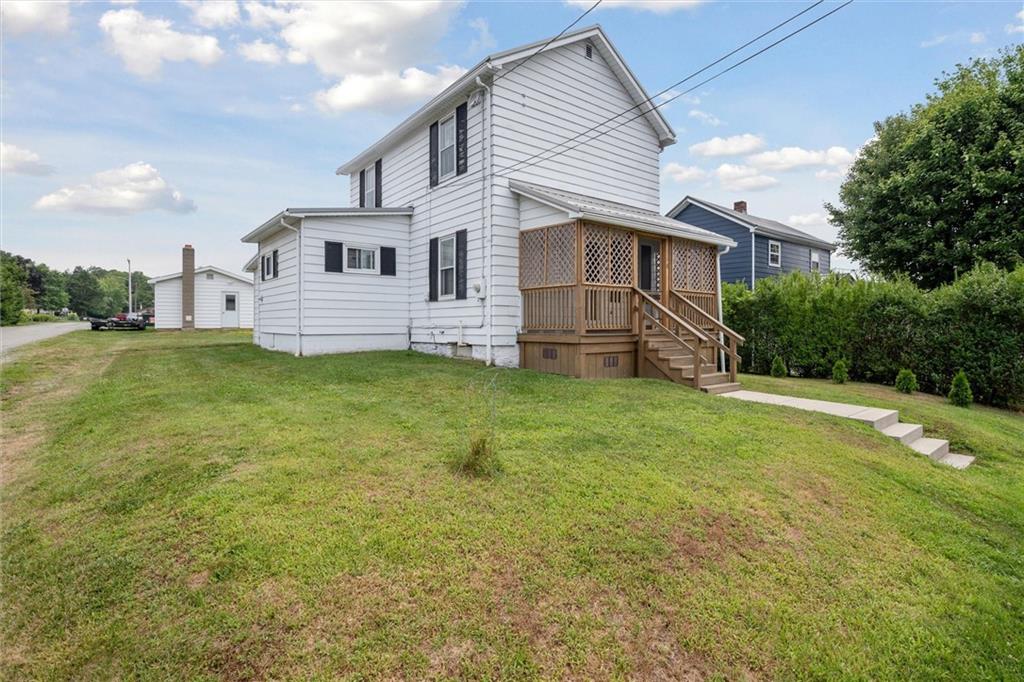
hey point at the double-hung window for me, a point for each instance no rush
(370, 187)
(446, 267)
(775, 254)
(815, 261)
(362, 259)
(446, 148)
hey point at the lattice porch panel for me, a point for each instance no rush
(693, 266)
(531, 258)
(607, 255)
(561, 253)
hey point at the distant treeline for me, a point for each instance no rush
(86, 291)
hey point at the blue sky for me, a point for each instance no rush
(130, 129)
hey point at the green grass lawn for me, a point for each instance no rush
(189, 506)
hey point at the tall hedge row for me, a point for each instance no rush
(879, 327)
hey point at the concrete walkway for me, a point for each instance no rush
(14, 337)
(886, 421)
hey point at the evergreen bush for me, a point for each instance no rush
(960, 392)
(906, 381)
(840, 372)
(778, 367)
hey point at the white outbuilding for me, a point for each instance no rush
(206, 297)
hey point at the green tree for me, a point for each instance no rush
(941, 188)
(906, 381)
(778, 367)
(12, 289)
(53, 293)
(960, 392)
(142, 291)
(114, 285)
(840, 372)
(84, 293)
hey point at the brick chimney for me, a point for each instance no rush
(740, 206)
(188, 287)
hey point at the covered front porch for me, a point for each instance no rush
(602, 301)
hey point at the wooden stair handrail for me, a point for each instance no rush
(721, 327)
(671, 333)
(701, 336)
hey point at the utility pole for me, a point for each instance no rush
(129, 287)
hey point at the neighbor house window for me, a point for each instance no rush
(815, 261)
(446, 147)
(446, 267)
(775, 254)
(361, 259)
(370, 187)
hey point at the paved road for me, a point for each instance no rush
(13, 337)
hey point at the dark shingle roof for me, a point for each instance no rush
(765, 226)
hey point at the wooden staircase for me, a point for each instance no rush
(685, 345)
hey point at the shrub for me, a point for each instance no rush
(479, 459)
(960, 392)
(840, 373)
(778, 367)
(906, 381)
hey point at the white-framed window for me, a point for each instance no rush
(815, 261)
(365, 259)
(446, 268)
(775, 254)
(370, 186)
(230, 303)
(446, 148)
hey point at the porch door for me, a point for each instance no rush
(650, 267)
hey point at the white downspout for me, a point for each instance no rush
(718, 267)
(753, 253)
(298, 287)
(489, 217)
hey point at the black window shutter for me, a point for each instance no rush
(275, 262)
(362, 189)
(460, 264)
(334, 257)
(377, 184)
(387, 260)
(461, 138)
(263, 268)
(433, 157)
(432, 270)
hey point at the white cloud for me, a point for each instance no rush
(728, 146)
(122, 191)
(143, 44)
(932, 42)
(972, 37)
(808, 220)
(259, 51)
(1019, 26)
(831, 174)
(386, 90)
(789, 158)
(27, 16)
(656, 6)
(705, 117)
(18, 161)
(680, 173)
(739, 178)
(976, 38)
(484, 40)
(213, 13)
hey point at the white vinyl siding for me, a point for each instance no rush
(209, 301)
(277, 297)
(167, 303)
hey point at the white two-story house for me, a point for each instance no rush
(470, 233)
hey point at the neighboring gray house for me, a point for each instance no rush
(764, 248)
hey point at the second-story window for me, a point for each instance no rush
(446, 147)
(370, 187)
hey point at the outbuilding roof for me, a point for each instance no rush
(493, 65)
(615, 213)
(201, 270)
(765, 226)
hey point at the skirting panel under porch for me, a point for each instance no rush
(583, 357)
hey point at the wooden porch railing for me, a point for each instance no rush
(607, 308)
(550, 308)
(648, 308)
(681, 304)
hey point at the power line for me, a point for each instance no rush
(545, 45)
(675, 85)
(521, 164)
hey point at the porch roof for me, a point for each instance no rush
(613, 213)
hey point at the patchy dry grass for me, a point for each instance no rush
(189, 506)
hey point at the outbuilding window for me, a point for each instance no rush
(775, 254)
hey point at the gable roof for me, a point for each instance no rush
(763, 226)
(250, 265)
(492, 65)
(613, 213)
(274, 224)
(201, 270)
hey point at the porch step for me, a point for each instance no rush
(718, 389)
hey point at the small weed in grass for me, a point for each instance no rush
(479, 459)
(906, 381)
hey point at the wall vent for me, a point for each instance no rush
(611, 361)
(589, 49)
(549, 353)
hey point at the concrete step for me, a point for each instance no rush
(934, 448)
(904, 433)
(957, 461)
(877, 417)
(718, 389)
